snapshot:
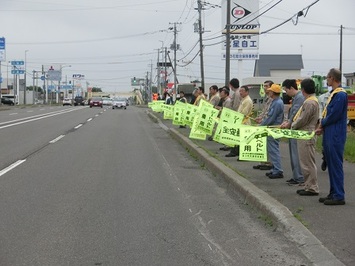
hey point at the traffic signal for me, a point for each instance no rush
(134, 80)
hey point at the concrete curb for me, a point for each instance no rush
(293, 229)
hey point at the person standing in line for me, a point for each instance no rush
(333, 126)
(306, 119)
(274, 117)
(292, 91)
(246, 108)
(182, 97)
(214, 100)
(322, 100)
(224, 102)
(168, 98)
(236, 98)
(214, 95)
(194, 96)
(200, 95)
(183, 100)
(266, 105)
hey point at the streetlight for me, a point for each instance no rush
(24, 90)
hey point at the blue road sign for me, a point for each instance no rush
(2, 43)
(43, 77)
(17, 71)
(17, 63)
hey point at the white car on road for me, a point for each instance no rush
(119, 103)
(67, 101)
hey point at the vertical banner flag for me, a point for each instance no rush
(179, 109)
(252, 145)
(189, 114)
(207, 117)
(227, 131)
(168, 110)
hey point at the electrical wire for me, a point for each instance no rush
(299, 13)
(264, 12)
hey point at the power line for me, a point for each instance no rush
(303, 12)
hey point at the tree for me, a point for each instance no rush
(96, 89)
(35, 88)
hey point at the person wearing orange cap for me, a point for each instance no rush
(274, 117)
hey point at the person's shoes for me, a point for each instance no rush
(182, 126)
(322, 199)
(210, 138)
(225, 148)
(298, 191)
(268, 174)
(323, 165)
(334, 202)
(293, 182)
(265, 167)
(262, 166)
(231, 155)
(307, 193)
(276, 176)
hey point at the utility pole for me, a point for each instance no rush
(24, 90)
(200, 31)
(175, 47)
(150, 81)
(165, 69)
(158, 74)
(228, 43)
(341, 50)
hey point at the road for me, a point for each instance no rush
(94, 186)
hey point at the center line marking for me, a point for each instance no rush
(78, 126)
(56, 139)
(12, 166)
(89, 119)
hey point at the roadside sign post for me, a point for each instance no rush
(2, 58)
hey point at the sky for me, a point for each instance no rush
(112, 41)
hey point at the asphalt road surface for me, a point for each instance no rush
(92, 186)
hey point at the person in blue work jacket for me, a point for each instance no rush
(274, 117)
(333, 126)
(297, 97)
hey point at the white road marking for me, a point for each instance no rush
(78, 126)
(13, 114)
(12, 166)
(89, 119)
(210, 246)
(34, 118)
(31, 111)
(42, 109)
(96, 115)
(56, 139)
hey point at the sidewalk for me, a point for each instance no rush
(327, 235)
